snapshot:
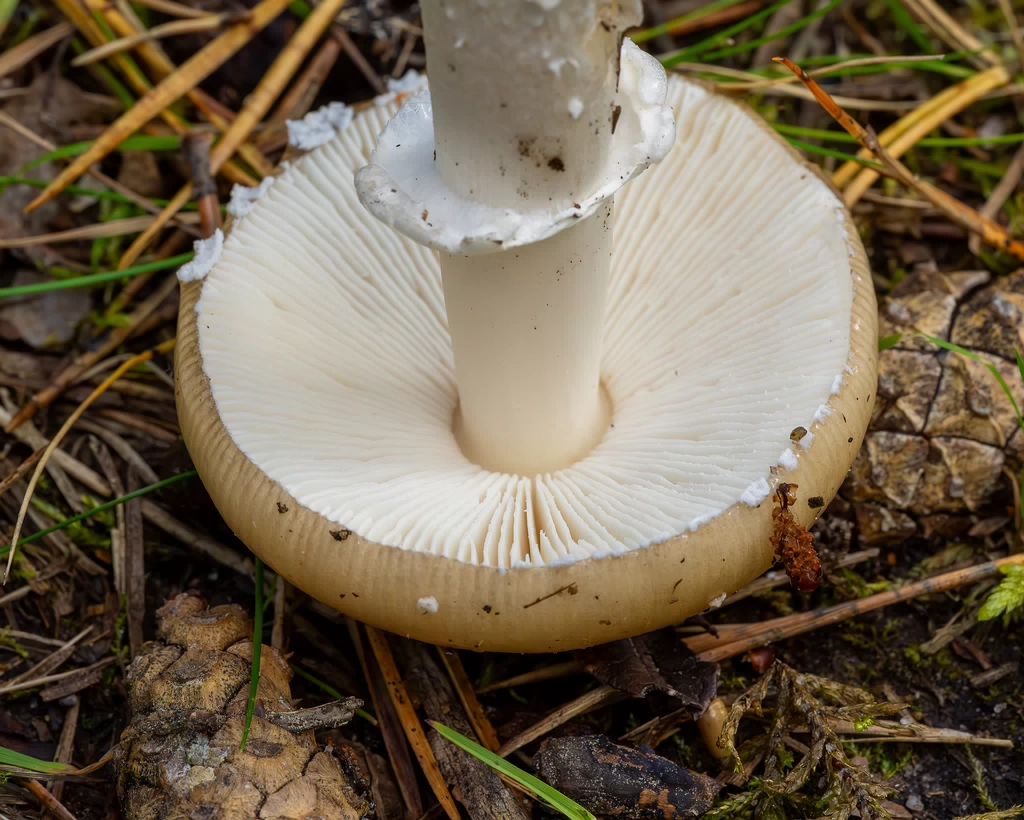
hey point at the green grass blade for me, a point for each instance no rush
(77, 190)
(771, 38)
(7, 9)
(9, 757)
(67, 522)
(927, 142)
(131, 144)
(666, 28)
(690, 54)
(257, 651)
(94, 279)
(903, 19)
(1020, 363)
(889, 342)
(534, 785)
(828, 152)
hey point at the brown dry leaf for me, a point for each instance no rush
(51, 105)
(617, 781)
(140, 171)
(657, 661)
(48, 320)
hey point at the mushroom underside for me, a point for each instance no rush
(739, 311)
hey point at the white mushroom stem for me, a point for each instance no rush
(524, 108)
(524, 95)
(526, 328)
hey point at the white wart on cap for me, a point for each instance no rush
(317, 392)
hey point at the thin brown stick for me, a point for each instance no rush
(297, 101)
(356, 56)
(165, 347)
(591, 700)
(553, 672)
(994, 204)
(24, 53)
(20, 471)
(277, 639)
(135, 566)
(53, 660)
(204, 189)
(87, 233)
(717, 18)
(193, 25)
(37, 682)
(66, 744)
(991, 232)
(49, 802)
(709, 648)
(390, 726)
(171, 8)
(410, 720)
(474, 710)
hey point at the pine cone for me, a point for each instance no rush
(943, 429)
(180, 755)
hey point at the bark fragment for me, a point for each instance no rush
(617, 781)
(943, 430)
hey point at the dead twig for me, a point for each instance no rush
(410, 720)
(66, 744)
(191, 25)
(585, 703)
(24, 53)
(474, 710)
(751, 636)
(204, 189)
(1002, 192)
(48, 801)
(390, 726)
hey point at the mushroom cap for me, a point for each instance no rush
(740, 309)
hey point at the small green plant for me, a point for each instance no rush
(1007, 599)
(534, 785)
(812, 704)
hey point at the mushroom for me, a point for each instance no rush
(461, 397)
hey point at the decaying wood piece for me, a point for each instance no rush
(617, 781)
(472, 782)
(180, 756)
(943, 429)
